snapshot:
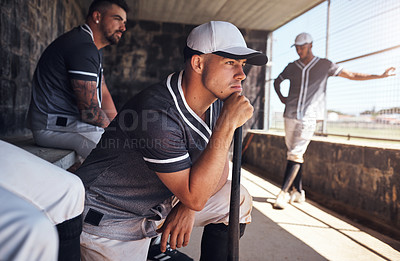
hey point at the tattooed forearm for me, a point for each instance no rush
(88, 105)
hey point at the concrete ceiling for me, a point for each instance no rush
(248, 14)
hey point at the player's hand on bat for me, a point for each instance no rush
(177, 227)
(237, 110)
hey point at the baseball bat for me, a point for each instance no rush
(233, 229)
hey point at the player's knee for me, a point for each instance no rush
(245, 196)
(40, 236)
(43, 226)
(246, 204)
(78, 190)
(296, 157)
(75, 194)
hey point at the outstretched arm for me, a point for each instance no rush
(362, 77)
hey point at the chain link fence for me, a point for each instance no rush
(362, 36)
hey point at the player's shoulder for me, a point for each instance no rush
(328, 64)
(156, 92)
(294, 64)
(153, 97)
(77, 41)
(325, 60)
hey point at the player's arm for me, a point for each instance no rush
(277, 87)
(224, 176)
(195, 185)
(362, 76)
(107, 103)
(88, 105)
(179, 223)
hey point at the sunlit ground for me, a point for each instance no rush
(301, 232)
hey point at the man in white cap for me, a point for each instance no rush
(304, 105)
(162, 165)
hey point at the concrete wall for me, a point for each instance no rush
(359, 181)
(147, 53)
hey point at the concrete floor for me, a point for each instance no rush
(301, 232)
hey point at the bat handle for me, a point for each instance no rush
(234, 229)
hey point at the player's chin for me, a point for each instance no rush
(237, 89)
(226, 95)
(114, 39)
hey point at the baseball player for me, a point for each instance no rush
(304, 105)
(71, 104)
(162, 164)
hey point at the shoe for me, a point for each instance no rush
(282, 200)
(169, 254)
(297, 197)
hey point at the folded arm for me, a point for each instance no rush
(107, 103)
(88, 105)
(194, 186)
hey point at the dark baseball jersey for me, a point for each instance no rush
(307, 90)
(156, 131)
(73, 55)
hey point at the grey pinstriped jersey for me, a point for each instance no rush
(306, 98)
(156, 131)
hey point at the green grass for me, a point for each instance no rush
(379, 132)
(373, 133)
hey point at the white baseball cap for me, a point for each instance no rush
(223, 39)
(303, 38)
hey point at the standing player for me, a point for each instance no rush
(71, 104)
(303, 106)
(165, 156)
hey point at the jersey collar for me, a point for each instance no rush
(174, 84)
(86, 28)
